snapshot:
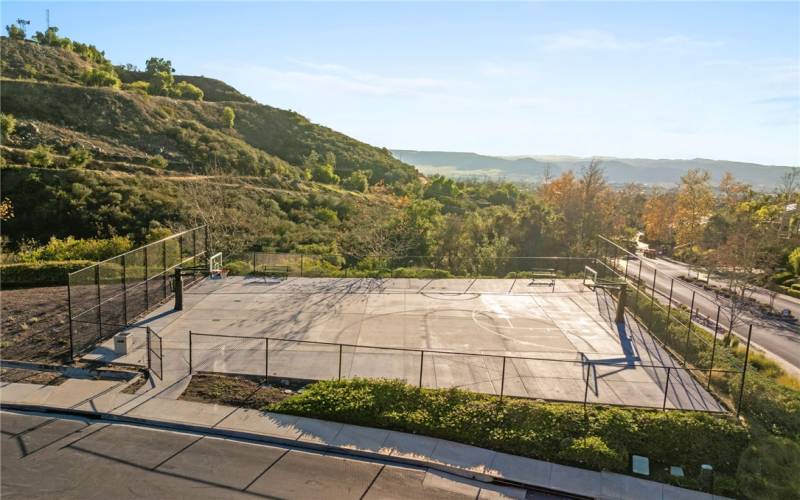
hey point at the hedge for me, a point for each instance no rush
(39, 273)
(601, 438)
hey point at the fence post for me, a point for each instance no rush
(254, 261)
(164, 262)
(689, 329)
(340, 361)
(744, 370)
(69, 313)
(194, 248)
(586, 389)
(124, 290)
(713, 348)
(190, 352)
(146, 283)
(503, 379)
(205, 238)
(180, 249)
(666, 390)
(147, 343)
(266, 362)
(639, 277)
(421, 361)
(653, 299)
(99, 301)
(301, 264)
(669, 307)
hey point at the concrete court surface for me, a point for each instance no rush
(49, 457)
(487, 318)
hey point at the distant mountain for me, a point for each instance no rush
(618, 170)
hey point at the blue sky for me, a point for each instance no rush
(656, 80)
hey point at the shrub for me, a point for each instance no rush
(593, 453)
(157, 161)
(39, 273)
(79, 157)
(794, 260)
(15, 32)
(528, 428)
(186, 90)
(41, 156)
(160, 83)
(421, 272)
(783, 277)
(7, 125)
(137, 87)
(238, 268)
(325, 174)
(100, 78)
(326, 215)
(357, 181)
(77, 249)
(228, 116)
(764, 469)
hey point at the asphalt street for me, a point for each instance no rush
(777, 338)
(66, 457)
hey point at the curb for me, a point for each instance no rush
(261, 438)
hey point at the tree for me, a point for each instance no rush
(228, 116)
(694, 204)
(732, 192)
(160, 83)
(15, 32)
(159, 65)
(78, 157)
(325, 174)
(357, 181)
(50, 37)
(41, 156)
(100, 78)
(658, 213)
(7, 125)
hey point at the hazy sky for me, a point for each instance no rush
(657, 80)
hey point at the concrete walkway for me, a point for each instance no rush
(105, 400)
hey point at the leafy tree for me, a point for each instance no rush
(357, 181)
(228, 116)
(657, 217)
(50, 37)
(159, 65)
(100, 78)
(7, 125)
(694, 204)
(157, 161)
(41, 156)
(186, 90)
(79, 157)
(160, 83)
(325, 174)
(15, 32)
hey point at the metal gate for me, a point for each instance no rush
(155, 354)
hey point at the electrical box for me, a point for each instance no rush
(123, 343)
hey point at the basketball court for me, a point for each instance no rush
(522, 338)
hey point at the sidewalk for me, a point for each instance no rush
(103, 399)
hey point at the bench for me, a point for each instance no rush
(272, 272)
(545, 277)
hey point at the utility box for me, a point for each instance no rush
(123, 343)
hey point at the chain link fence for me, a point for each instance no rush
(106, 297)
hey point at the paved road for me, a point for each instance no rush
(46, 457)
(772, 336)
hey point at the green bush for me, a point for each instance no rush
(186, 90)
(239, 268)
(78, 157)
(41, 156)
(7, 125)
(77, 249)
(39, 273)
(157, 161)
(138, 87)
(421, 272)
(228, 116)
(783, 277)
(592, 453)
(100, 78)
(794, 261)
(765, 469)
(601, 438)
(357, 181)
